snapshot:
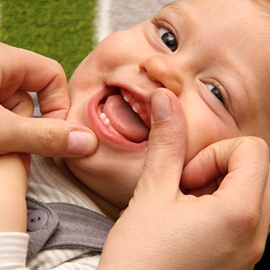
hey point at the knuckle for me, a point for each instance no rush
(58, 71)
(245, 220)
(250, 219)
(56, 67)
(244, 226)
(50, 141)
(20, 103)
(255, 143)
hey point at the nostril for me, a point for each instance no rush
(150, 76)
(143, 69)
(153, 79)
(162, 72)
(154, 68)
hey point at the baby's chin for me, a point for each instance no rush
(99, 173)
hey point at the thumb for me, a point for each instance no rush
(42, 136)
(167, 143)
(238, 161)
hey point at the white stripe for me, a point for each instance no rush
(13, 250)
(103, 21)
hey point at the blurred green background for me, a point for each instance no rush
(61, 29)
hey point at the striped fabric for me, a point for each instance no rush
(12, 250)
(48, 184)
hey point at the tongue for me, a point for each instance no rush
(124, 120)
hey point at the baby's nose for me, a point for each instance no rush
(161, 68)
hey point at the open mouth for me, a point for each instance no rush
(126, 116)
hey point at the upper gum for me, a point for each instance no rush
(132, 101)
(139, 106)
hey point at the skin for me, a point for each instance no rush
(24, 71)
(225, 229)
(242, 223)
(217, 49)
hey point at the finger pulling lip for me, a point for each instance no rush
(101, 125)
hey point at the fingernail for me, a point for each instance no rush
(81, 143)
(161, 108)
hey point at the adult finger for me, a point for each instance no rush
(20, 103)
(245, 189)
(248, 156)
(167, 143)
(242, 198)
(29, 71)
(47, 137)
(244, 164)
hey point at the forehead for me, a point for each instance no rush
(232, 36)
(237, 28)
(223, 10)
(224, 15)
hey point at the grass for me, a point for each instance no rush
(63, 29)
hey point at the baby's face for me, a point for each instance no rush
(212, 54)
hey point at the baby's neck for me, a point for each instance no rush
(106, 207)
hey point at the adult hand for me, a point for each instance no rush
(163, 228)
(23, 71)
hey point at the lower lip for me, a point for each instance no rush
(100, 128)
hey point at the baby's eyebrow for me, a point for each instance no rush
(177, 10)
(175, 5)
(179, 15)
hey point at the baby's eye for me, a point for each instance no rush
(168, 38)
(215, 91)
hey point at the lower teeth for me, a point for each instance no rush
(104, 118)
